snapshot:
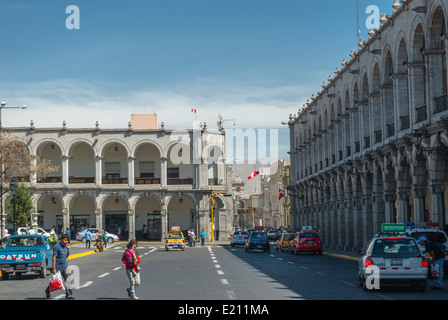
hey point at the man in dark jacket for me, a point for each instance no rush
(438, 258)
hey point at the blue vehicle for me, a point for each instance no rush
(258, 240)
(26, 253)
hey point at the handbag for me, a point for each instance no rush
(56, 282)
(435, 270)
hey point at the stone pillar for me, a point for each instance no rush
(340, 219)
(131, 175)
(357, 222)
(367, 214)
(419, 195)
(378, 211)
(99, 218)
(349, 236)
(438, 215)
(389, 206)
(163, 172)
(403, 204)
(64, 164)
(131, 223)
(333, 215)
(98, 171)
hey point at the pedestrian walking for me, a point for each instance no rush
(61, 252)
(202, 235)
(192, 239)
(88, 237)
(104, 237)
(131, 259)
(119, 232)
(189, 237)
(438, 258)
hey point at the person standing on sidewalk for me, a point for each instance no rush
(202, 235)
(61, 251)
(88, 237)
(131, 259)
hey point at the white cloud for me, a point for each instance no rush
(82, 104)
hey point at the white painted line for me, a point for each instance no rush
(290, 262)
(220, 272)
(117, 268)
(280, 258)
(230, 295)
(103, 275)
(306, 268)
(224, 281)
(85, 285)
(321, 274)
(217, 266)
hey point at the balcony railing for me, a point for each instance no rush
(178, 181)
(114, 180)
(441, 103)
(52, 179)
(81, 179)
(147, 180)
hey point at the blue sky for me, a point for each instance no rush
(255, 61)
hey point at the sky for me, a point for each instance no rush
(252, 61)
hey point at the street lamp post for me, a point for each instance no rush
(3, 106)
(14, 196)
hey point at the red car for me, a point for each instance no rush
(306, 241)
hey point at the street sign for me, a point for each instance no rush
(393, 227)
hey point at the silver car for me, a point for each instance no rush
(81, 235)
(239, 238)
(392, 259)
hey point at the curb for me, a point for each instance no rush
(340, 256)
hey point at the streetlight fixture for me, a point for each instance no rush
(3, 106)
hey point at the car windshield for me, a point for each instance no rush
(258, 235)
(240, 233)
(396, 248)
(25, 242)
(431, 236)
(309, 235)
(288, 236)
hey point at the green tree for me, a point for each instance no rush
(24, 206)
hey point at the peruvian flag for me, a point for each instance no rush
(193, 110)
(281, 193)
(255, 173)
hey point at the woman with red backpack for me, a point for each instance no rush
(131, 259)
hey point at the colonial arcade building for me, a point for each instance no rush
(130, 178)
(372, 145)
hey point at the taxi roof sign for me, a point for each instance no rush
(393, 227)
(175, 228)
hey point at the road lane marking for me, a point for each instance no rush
(220, 272)
(103, 275)
(349, 283)
(290, 262)
(85, 285)
(321, 274)
(230, 295)
(117, 268)
(224, 281)
(306, 268)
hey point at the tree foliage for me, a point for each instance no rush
(24, 206)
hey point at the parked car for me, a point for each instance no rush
(239, 238)
(284, 242)
(272, 235)
(24, 230)
(306, 242)
(398, 259)
(81, 235)
(258, 240)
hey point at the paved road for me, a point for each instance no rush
(214, 272)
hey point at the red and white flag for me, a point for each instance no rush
(255, 173)
(281, 193)
(193, 110)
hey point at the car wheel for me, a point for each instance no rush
(110, 240)
(83, 240)
(43, 272)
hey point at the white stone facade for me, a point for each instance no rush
(371, 146)
(109, 177)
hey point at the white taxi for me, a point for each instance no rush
(393, 258)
